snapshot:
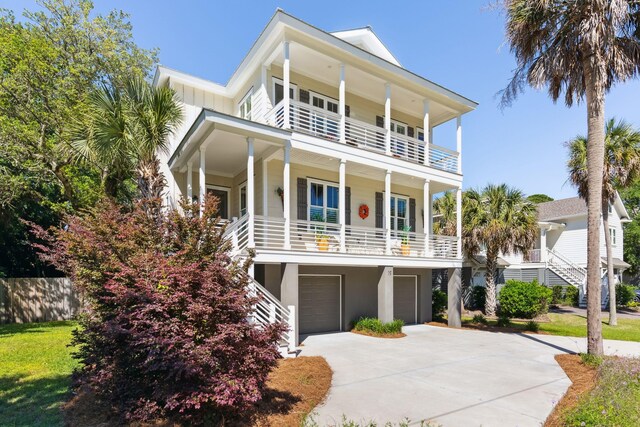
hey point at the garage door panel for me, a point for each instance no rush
(404, 298)
(319, 300)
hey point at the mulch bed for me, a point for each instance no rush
(489, 328)
(373, 334)
(583, 378)
(293, 389)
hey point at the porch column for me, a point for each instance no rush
(426, 197)
(459, 142)
(459, 222)
(387, 118)
(454, 297)
(265, 188)
(263, 108)
(250, 194)
(287, 195)
(202, 182)
(289, 293)
(286, 83)
(342, 106)
(342, 205)
(427, 129)
(190, 181)
(385, 294)
(387, 211)
(543, 245)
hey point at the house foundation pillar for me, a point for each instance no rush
(289, 293)
(454, 295)
(385, 294)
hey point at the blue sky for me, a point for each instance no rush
(457, 43)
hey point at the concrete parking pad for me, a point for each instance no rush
(448, 376)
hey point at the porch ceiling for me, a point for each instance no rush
(325, 69)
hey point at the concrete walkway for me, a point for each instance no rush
(447, 376)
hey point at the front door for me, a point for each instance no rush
(223, 198)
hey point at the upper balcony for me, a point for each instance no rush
(310, 90)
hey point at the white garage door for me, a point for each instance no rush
(405, 298)
(319, 301)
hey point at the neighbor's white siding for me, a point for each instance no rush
(571, 241)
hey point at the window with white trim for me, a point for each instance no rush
(612, 234)
(420, 134)
(323, 202)
(244, 108)
(278, 90)
(399, 212)
(610, 208)
(243, 199)
(319, 123)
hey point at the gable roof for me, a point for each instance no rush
(366, 39)
(573, 206)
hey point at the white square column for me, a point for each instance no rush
(459, 222)
(286, 184)
(342, 105)
(342, 204)
(459, 142)
(387, 211)
(385, 294)
(250, 194)
(426, 126)
(387, 118)
(286, 83)
(201, 178)
(190, 181)
(426, 201)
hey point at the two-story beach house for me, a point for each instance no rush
(560, 253)
(321, 151)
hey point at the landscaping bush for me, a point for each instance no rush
(376, 326)
(571, 296)
(503, 321)
(532, 326)
(479, 319)
(625, 294)
(165, 333)
(523, 299)
(557, 295)
(478, 297)
(439, 301)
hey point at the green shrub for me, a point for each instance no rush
(590, 359)
(557, 294)
(625, 294)
(376, 326)
(478, 297)
(479, 318)
(532, 326)
(571, 296)
(503, 321)
(523, 299)
(439, 301)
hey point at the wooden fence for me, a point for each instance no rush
(25, 300)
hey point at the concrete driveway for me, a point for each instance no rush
(450, 377)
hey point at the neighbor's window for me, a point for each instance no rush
(612, 234)
(323, 202)
(245, 105)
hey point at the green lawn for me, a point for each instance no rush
(35, 372)
(576, 326)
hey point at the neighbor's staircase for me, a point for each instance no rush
(268, 310)
(575, 275)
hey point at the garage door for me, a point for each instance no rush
(405, 298)
(319, 300)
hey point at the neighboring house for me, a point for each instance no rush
(560, 253)
(320, 148)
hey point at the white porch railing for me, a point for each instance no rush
(534, 255)
(318, 122)
(311, 236)
(238, 233)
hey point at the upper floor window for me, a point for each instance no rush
(323, 202)
(278, 90)
(245, 106)
(610, 209)
(398, 127)
(324, 102)
(243, 199)
(399, 212)
(612, 234)
(420, 134)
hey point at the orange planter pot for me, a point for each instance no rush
(405, 249)
(322, 243)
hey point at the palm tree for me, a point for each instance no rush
(621, 168)
(498, 219)
(444, 215)
(579, 48)
(124, 130)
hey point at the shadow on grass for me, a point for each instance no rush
(32, 402)
(38, 328)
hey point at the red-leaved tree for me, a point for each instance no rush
(166, 330)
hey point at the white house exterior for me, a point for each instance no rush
(560, 254)
(321, 149)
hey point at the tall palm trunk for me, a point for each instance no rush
(151, 181)
(595, 165)
(490, 283)
(613, 315)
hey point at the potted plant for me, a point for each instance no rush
(405, 246)
(322, 239)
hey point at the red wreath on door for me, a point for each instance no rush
(363, 211)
